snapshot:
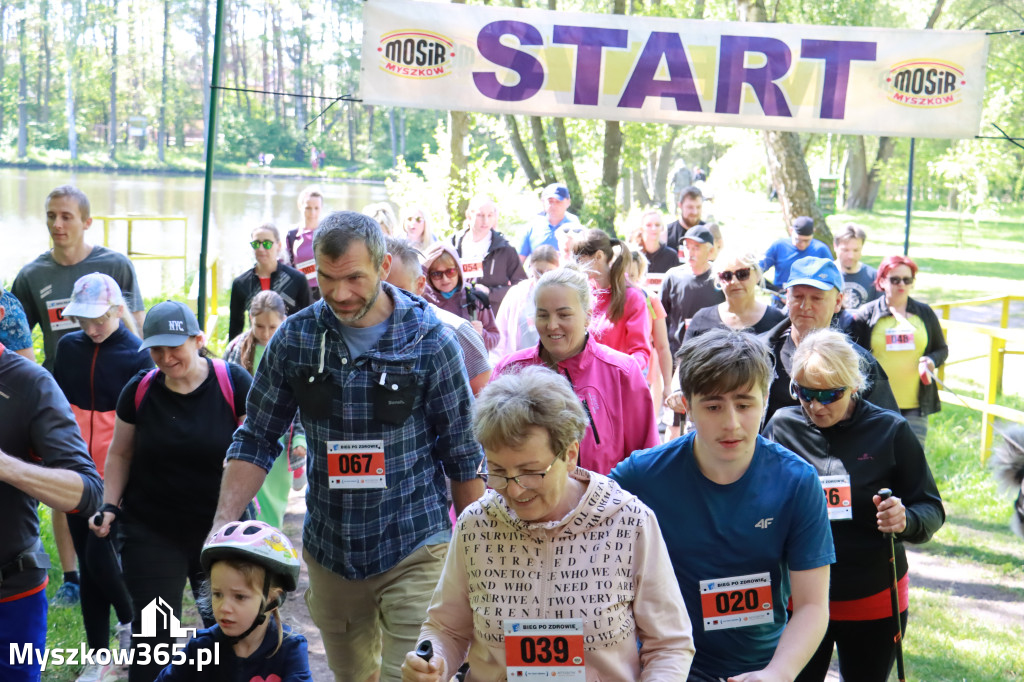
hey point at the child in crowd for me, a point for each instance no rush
(91, 367)
(266, 313)
(251, 568)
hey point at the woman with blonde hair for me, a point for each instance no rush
(417, 228)
(738, 275)
(858, 449)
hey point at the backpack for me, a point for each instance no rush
(220, 369)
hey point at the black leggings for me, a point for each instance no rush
(102, 584)
(156, 566)
(867, 650)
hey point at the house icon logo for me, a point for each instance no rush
(158, 617)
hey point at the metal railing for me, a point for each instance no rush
(131, 219)
(998, 338)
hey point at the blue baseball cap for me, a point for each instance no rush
(820, 273)
(557, 190)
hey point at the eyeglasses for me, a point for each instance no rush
(896, 280)
(265, 243)
(824, 396)
(742, 275)
(527, 481)
(438, 275)
(414, 219)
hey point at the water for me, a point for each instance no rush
(238, 206)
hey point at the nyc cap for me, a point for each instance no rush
(94, 294)
(170, 323)
(555, 189)
(820, 273)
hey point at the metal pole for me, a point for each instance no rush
(910, 199)
(211, 143)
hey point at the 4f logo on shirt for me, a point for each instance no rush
(764, 523)
(176, 325)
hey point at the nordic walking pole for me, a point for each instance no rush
(901, 675)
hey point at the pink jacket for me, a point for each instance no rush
(631, 334)
(500, 567)
(613, 392)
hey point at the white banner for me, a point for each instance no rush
(838, 79)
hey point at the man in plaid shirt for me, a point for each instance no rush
(385, 402)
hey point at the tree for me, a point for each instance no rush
(112, 127)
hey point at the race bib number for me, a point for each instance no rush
(355, 464)
(837, 497)
(653, 282)
(472, 270)
(308, 268)
(544, 649)
(899, 339)
(736, 602)
(55, 311)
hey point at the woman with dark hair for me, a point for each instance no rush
(165, 463)
(857, 449)
(268, 274)
(905, 337)
(621, 320)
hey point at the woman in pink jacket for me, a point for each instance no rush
(621, 320)
(611, 389)
(555, 567)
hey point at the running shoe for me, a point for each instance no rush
(91, 673)
(66, 596)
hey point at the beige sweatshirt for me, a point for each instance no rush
(604, 563)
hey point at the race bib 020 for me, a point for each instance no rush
(736, 602)
(544, 649)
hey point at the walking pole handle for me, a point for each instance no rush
(425, 650)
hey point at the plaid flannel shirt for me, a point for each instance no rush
(360, 533)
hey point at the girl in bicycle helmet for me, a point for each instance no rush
(251, 566)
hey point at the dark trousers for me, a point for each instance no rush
(867, 650)
(101, 581)
(156, 567)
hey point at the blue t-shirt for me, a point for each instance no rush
(782, 254)
(772, 520)
(542, 232)
(361, 339)
(14, 330)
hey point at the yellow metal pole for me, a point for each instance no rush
(1004, 319)
(995, 380)
(213, 281)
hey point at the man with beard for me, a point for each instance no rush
(691, 205)
(386, 406)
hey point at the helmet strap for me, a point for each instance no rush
(262, 617)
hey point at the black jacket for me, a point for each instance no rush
(286, 281)
(502, 267)
(877, 449)
(878, 392)
(867, 316)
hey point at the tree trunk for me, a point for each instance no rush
(43, 89)
(204, 42)
(350, 114)
(856, 197)
(3, 59)
(401, 133)
(279, 73)
(112, 129)
(394, 137)
(568, 165)
(540, 144)
(73, 19)
(458, 180)
(605, 210)
(161, 141)
(369, 131)
(643, 197)
(22, 89)
(519, 149)
(664, 164)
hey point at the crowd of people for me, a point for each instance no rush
(622, 459)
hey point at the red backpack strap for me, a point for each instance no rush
(143, 387)
(227, 389)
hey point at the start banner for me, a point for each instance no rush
(839, 79)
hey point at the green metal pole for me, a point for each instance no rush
(211, 143)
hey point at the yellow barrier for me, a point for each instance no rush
(998, 338)
(131, 219)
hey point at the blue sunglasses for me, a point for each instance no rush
(824, 396)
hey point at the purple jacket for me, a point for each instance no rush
(461, 303)
(615, 395)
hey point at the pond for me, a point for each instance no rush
(239, 204)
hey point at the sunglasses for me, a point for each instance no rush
(571, 230)
(896, 280)
(742, 275)
(824, 396)
(414, 219)
(438, 275)
(264, 243)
